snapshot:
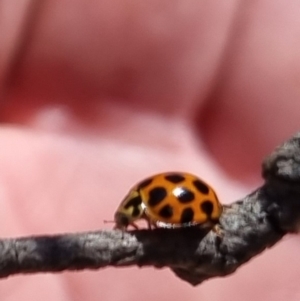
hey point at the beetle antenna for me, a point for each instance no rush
(108, 222)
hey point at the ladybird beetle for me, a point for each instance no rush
(171, 199)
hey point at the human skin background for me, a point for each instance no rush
(97, 95)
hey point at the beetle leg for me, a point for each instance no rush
(217, 230)
(135, 226)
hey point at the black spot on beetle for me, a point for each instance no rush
(201, 187)
(134, 202)
(136, 212)
(187, 215)
(166, 211)
(184, 195)
(145, 183)
(175, 178)
(156, 196)
(207, 206)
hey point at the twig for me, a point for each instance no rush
(248, 227)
